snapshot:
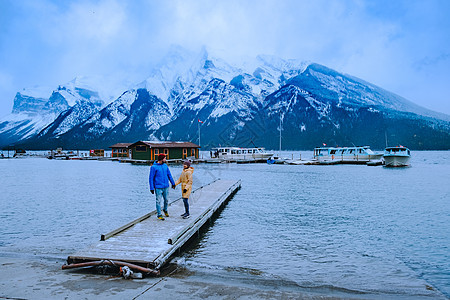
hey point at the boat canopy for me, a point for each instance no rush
(343, 150)
(397, 149)
(237, 150)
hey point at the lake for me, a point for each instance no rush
(341, 229)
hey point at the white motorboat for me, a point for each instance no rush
(396, 156)
(236, 153)
(345, 154)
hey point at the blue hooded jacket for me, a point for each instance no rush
(160, 176)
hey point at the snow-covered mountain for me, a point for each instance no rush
(316, 105)
(238, 103)
(32, 111)
(41, 111)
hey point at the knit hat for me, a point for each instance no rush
(187, 163)
(161, 156)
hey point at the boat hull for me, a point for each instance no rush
(362, 158)
(396, 161)
(255, 156)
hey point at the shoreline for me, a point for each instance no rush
(38, 277)
(23, 278)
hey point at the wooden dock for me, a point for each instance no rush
(149, 242)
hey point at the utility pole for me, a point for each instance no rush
(199, 133)
(385, 137)
(280, 129)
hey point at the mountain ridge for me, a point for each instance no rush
(239, 104)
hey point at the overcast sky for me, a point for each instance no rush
(401, 46)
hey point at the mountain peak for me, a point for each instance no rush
(236, 98)
(25, 103)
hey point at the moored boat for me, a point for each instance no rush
(355, 155)
(396, 156)
(236, 153)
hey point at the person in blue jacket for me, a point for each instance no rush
(159, 183)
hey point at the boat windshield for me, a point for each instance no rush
(397, 150)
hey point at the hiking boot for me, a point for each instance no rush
(183, 214)
(186, 216)
(161, 218)
(166, 213)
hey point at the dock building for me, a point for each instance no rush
(120, 150)
(149, 150)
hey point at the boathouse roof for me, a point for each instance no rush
(120, 145)
(158, 144)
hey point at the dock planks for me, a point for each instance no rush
(150, 242)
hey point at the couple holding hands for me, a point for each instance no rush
(159, 184)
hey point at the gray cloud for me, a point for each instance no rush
(401, 46)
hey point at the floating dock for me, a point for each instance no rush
(148, 242)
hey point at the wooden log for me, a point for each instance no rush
(111, 263)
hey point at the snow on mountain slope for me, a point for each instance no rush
(258, 76)
(286, 98)
(29, 115)
(176, 64)
(69, 118)
(198, 78)
(42, 92)
(220, 98)
(80, 101)
(59, 110)
(111, 115)
(183, 75)
(187, 86)
(83, 88)
(348, 90)
(147, 113)
(22, 125)
(101, 90)
(26, 104)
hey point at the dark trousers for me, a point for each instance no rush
(186, 205)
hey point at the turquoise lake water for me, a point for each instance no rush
(356, 230)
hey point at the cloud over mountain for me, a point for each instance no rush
(239, 103)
